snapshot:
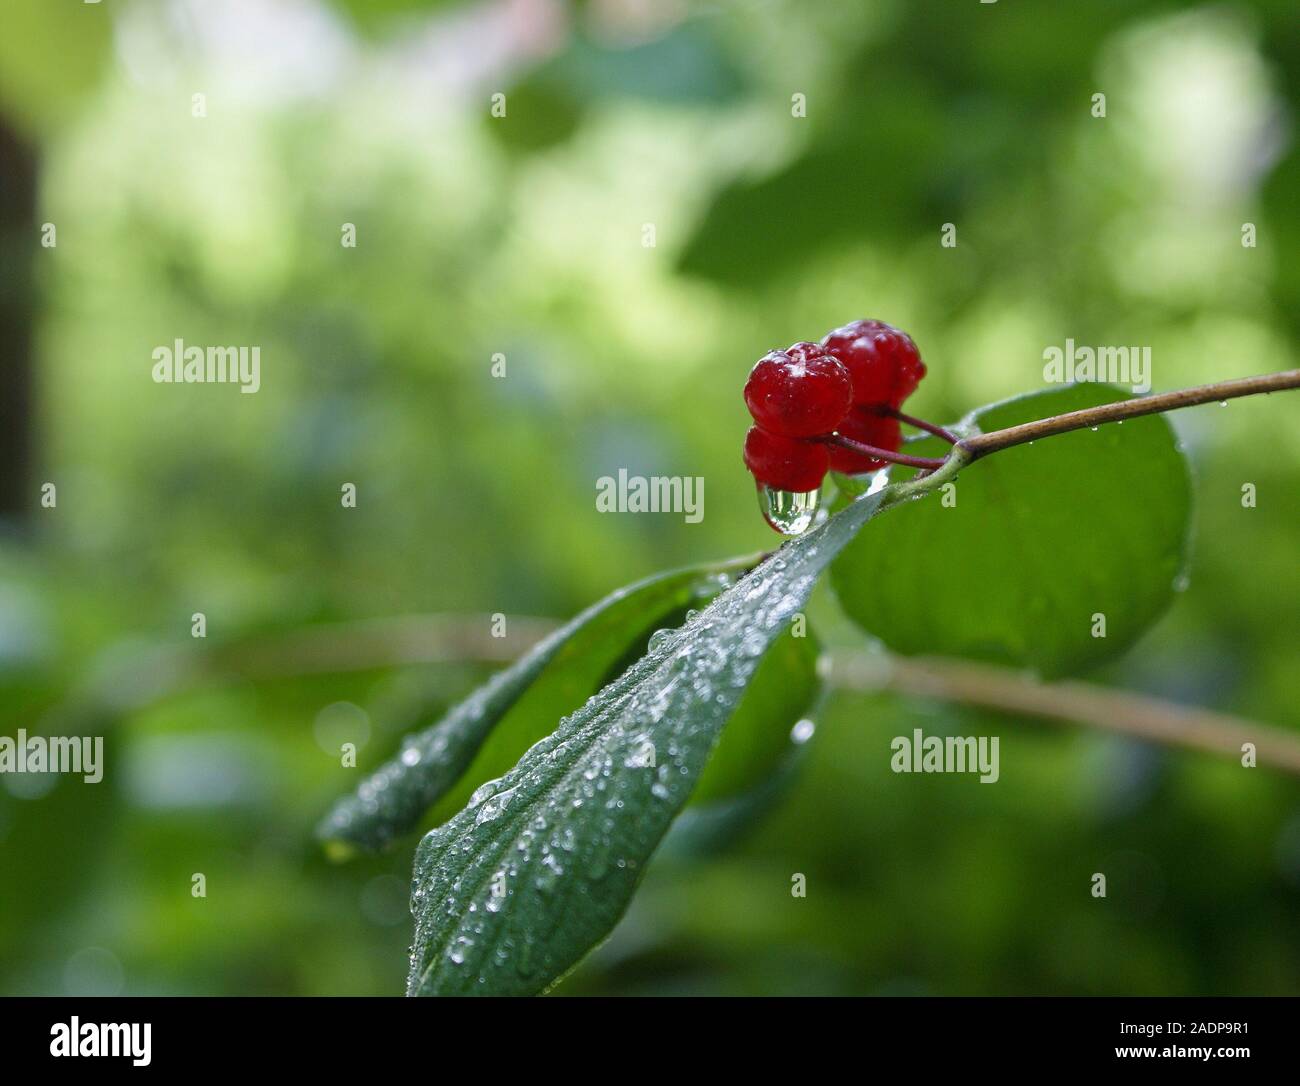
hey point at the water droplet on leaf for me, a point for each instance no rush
(789, 512)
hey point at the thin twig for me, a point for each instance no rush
(983, 444)
(441, 638)
(1070, 702)
(921, 424)
(381, 642)
(154, 673)
(880, 454)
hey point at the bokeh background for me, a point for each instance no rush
(525, 236)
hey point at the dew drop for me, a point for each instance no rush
(458, 950)
(789, 512)
(482, 792)
(492, 807)
(659, 638)
(547, 878)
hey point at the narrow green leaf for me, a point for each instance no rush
(515, 889)
(1032, 545)
(757, 738)
(515, 708)
(702, 832)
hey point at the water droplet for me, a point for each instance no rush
(1095, 429)
(1223, 403)
(546, 879)
(1182, 582)
(492, 808)
(790, 513)
(708, 587)
(659, 638)
(483, 791)
(803, 731)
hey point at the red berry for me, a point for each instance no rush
(883, 361)
(871, 429)
(800, 392)
(783, 463)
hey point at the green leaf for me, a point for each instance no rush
(752, 747)
(1041, 539)
(516, 888)
(541, 113)
(757, 738)
(485, 734)
(705, 829)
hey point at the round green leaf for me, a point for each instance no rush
(1054, 556)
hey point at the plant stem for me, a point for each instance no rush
(1071, 702)
(342, 647)
(983, 444)
(925, 482)
(921, 424)
(881, 454)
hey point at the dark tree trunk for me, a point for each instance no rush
(18, 240)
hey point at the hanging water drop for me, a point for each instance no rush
(790, 513)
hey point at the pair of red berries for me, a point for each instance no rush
(844, 385)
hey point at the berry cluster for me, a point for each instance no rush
(851, 384)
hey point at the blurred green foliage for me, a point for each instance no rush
(523, 236)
